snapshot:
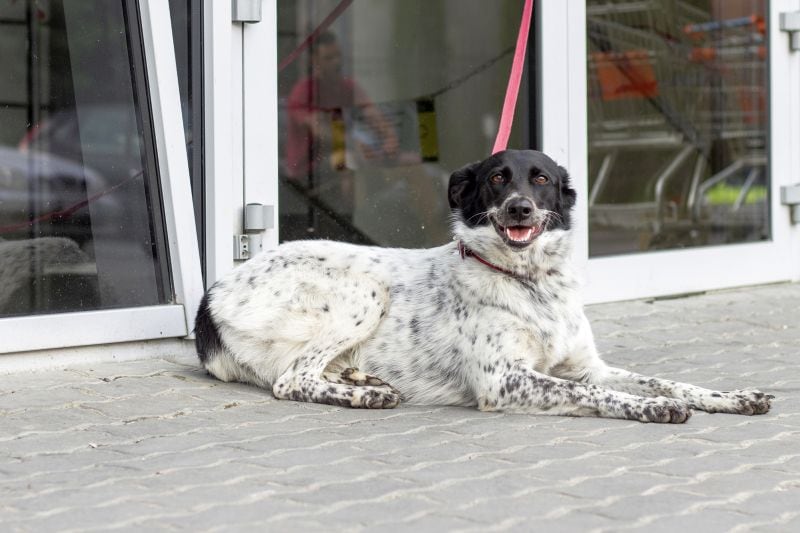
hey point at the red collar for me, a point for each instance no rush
(466, 252)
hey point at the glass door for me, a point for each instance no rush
(384, 102)
(672, 117)
(686, 115)
(688, 109)
(94, 196)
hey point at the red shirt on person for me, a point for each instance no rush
(313, 102)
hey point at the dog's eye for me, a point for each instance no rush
(497, 179)
(540, 180)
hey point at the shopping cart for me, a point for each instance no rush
(670, 91)
(736, 195)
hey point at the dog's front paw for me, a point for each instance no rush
(740, 402)
(664, 410)
(354, 376)
(375, 398)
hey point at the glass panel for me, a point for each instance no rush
(677, 124)
(382, 107)
(80, 211)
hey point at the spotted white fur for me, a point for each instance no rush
(362, 326)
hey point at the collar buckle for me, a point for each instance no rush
(462, 250)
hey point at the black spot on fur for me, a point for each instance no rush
(207, 339)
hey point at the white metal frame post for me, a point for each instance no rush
(241, 127)
(561, 44)
(222, 85)
(162, 76)
(260, 99)
(789, 93)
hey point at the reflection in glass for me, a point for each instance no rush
(382, 107)
(677, 124)
(79, 206)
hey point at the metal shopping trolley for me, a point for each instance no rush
(670, 91)
(735, 197)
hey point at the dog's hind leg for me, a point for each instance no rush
(352, 312)
(306, 382)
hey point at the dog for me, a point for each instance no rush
(492, 320)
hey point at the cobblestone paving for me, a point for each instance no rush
(153, 444)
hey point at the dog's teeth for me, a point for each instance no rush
(520, 234)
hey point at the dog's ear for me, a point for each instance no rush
(463, 186)
(567, 193)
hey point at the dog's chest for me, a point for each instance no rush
(440, 334)
(537, 322)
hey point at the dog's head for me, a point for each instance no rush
(521, 193)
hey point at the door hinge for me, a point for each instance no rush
(241, 247)
(790, 196)
(257, 219)
(246, 11)
(790, 22)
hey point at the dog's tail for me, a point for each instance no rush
(207, 338)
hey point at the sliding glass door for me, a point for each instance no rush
(88, 188)
(689, 106)
(381, 106)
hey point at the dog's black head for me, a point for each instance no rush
(522, 193)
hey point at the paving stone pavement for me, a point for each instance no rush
(156, 445)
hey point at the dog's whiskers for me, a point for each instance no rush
(483, 215)
(551, 216)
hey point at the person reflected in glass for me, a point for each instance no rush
(318, 106)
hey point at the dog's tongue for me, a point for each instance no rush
(519, 233)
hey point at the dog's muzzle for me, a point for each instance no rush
(517, 221)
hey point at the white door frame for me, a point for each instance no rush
(260, 127)
(564, 132)
(222, 123)
(38, 332)
(241, 127)
(560, 31)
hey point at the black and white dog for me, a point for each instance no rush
(493, 320)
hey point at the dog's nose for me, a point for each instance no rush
(519, 208)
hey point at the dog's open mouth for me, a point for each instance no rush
(518, 236)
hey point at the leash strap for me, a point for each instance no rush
(514, 79)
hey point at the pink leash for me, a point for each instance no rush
(510, 103)
(514, 79)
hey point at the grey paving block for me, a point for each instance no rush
(153, 445)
